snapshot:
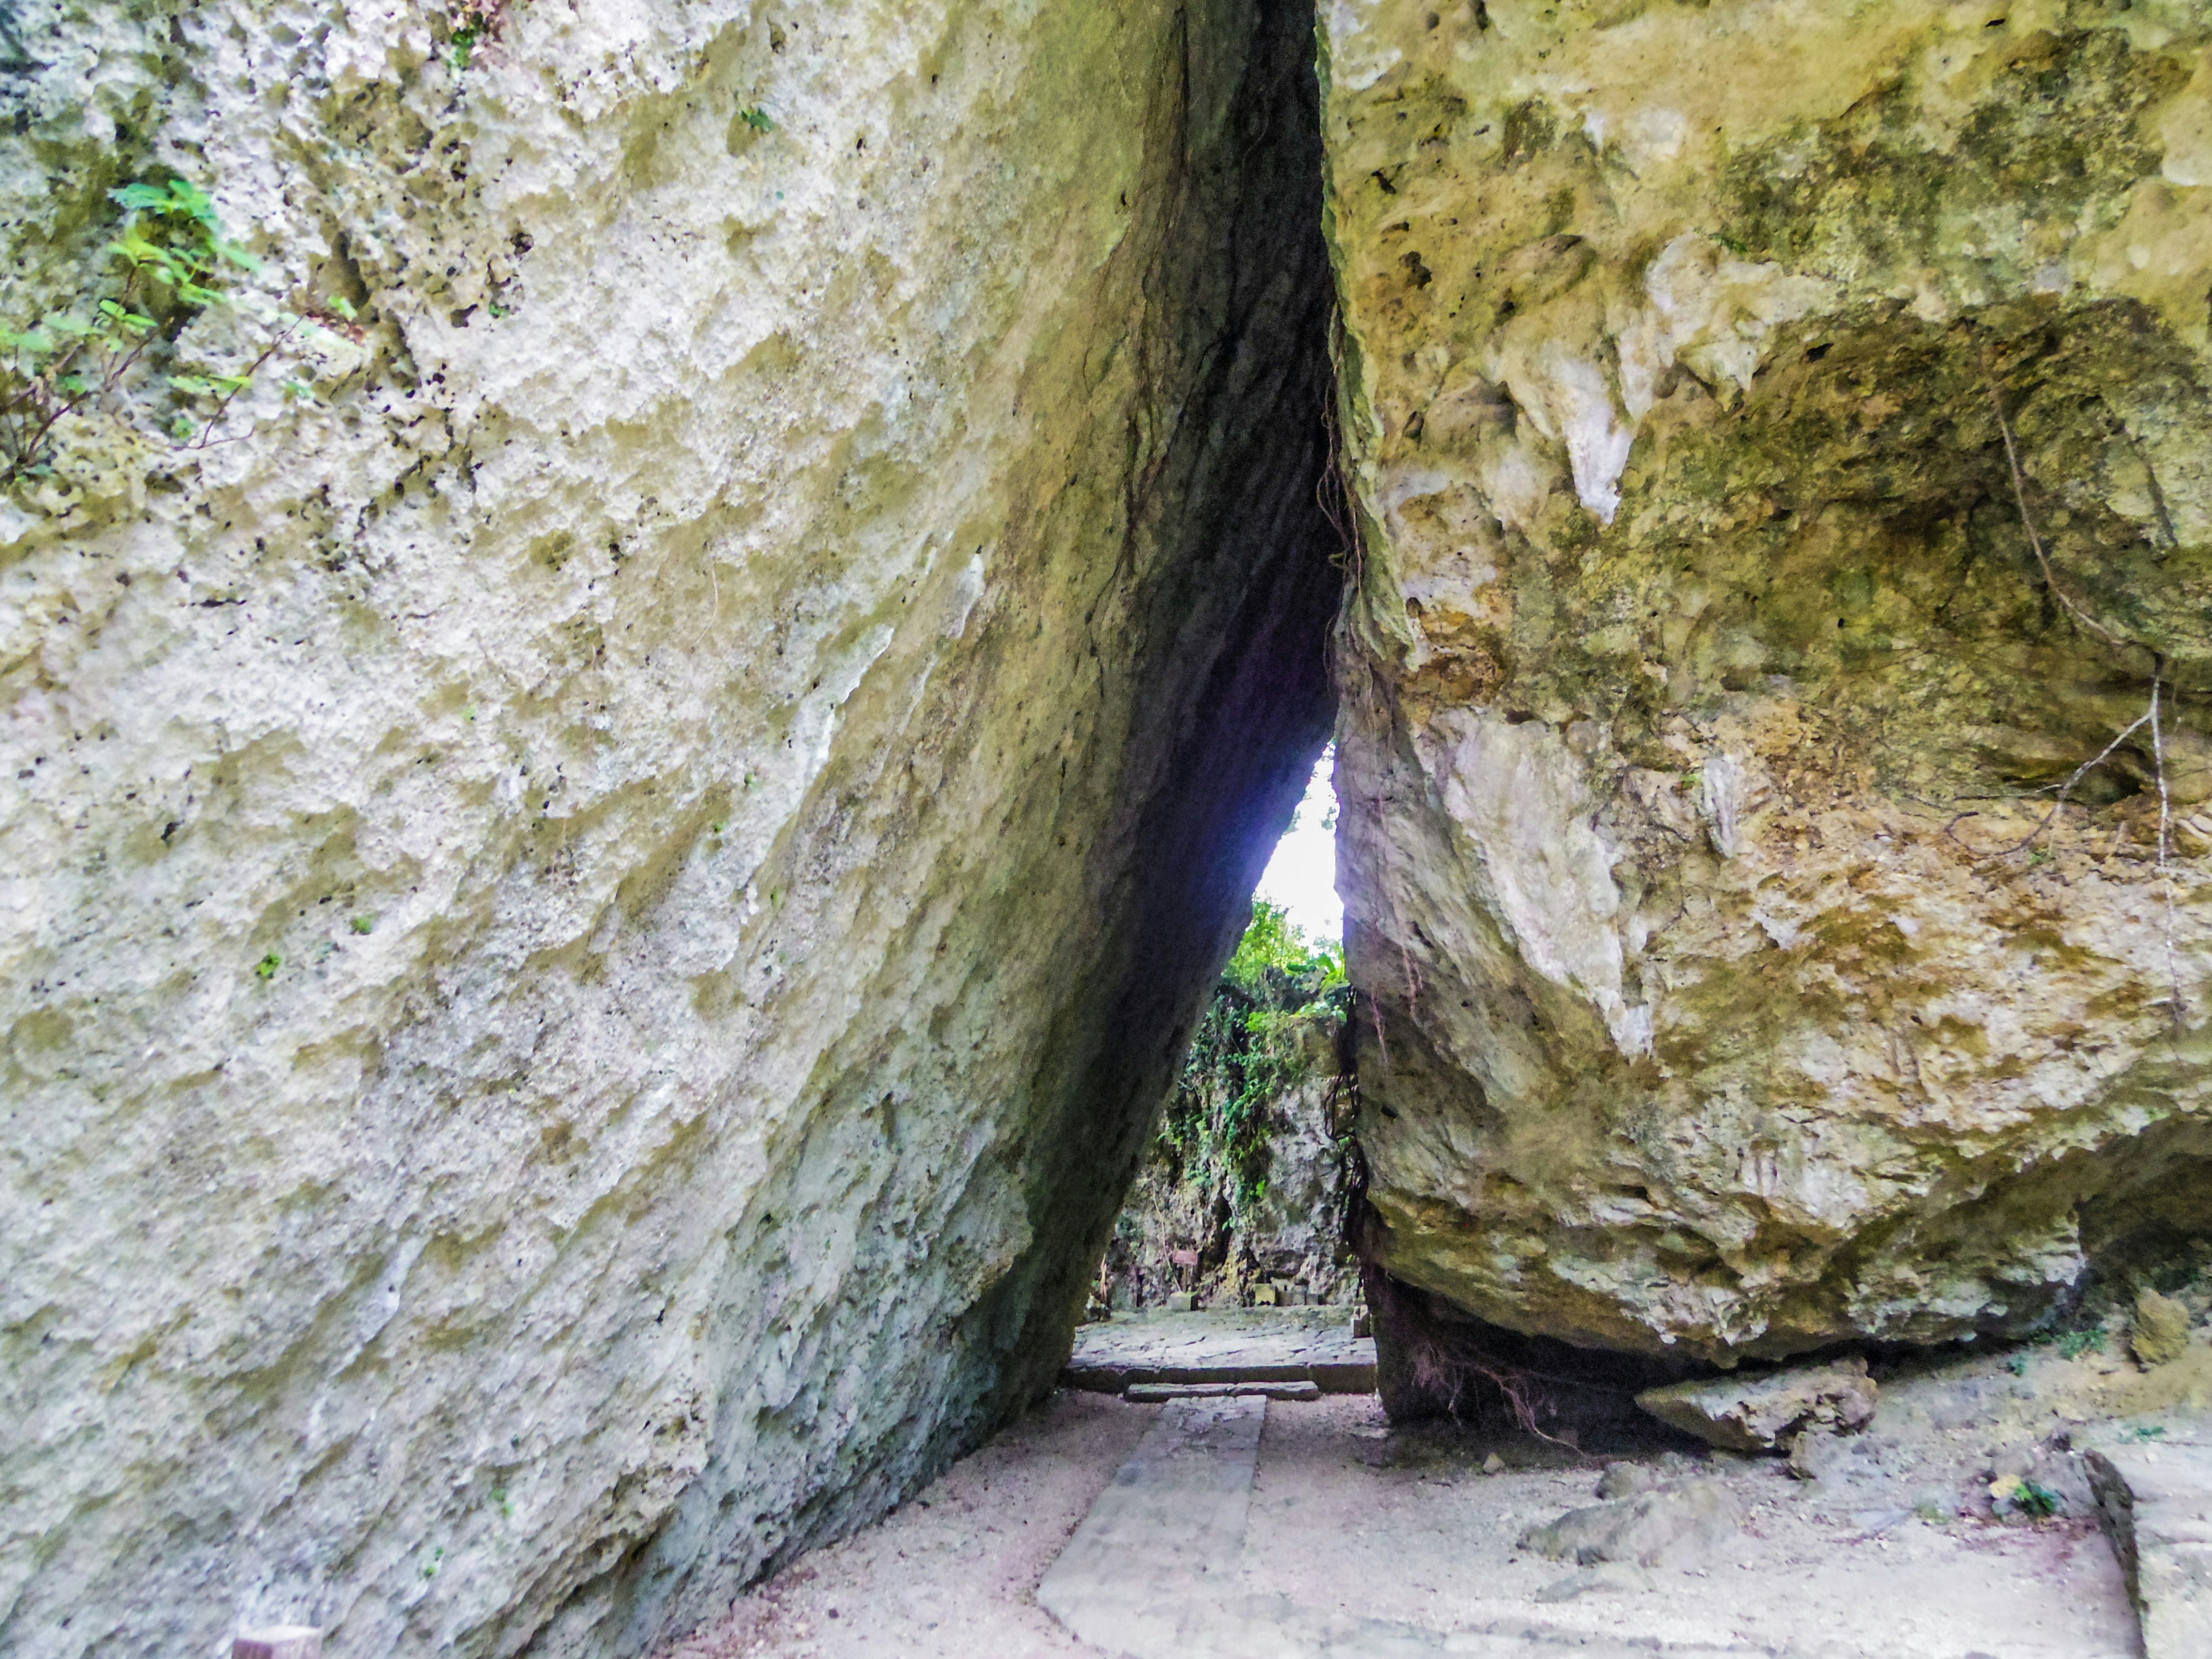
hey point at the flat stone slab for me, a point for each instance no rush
(2153, 1484)
(1158, 1393)
(1245, 1344)
(1152, 1570)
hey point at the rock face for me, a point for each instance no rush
(1744, 977)
(605, 866)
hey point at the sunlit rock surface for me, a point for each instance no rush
(598, 894)
(1736, 987)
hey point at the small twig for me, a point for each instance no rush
(244, 381)
(2067, 789)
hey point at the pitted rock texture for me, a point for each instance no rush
(598, 897)
(1738, 982)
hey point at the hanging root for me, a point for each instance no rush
(2151, 716)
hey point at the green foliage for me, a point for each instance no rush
(2024, 1497)
(1281, 995)
(265, 970)
(1273, 946)
(469, 25)
(169, 262)
(2075, 1344)
(364, 924)
(757, 119)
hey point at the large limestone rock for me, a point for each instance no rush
(600, 892)
(1738, 982)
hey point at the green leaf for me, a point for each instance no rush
(342, 307)
(140, 197)
(131, 322)
(187, 197)
(193, 385)
(758, 119)
(237, 256)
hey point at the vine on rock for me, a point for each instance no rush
(105, 350)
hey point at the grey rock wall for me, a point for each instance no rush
(601, 878)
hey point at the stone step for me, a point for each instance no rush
(1223, 1348)
(1156, 1393)
(2153, 1484)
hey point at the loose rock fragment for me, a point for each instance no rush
(2161, 1330)
(1669, 1527)
(1764, 1414)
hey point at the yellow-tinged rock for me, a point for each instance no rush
(2161, 1332)
(1751, 836)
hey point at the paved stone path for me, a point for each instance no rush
(1151, 1572)
(1247, 1346)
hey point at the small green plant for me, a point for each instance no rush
(757, 119)
(265, 970)
(175, 262)
(430, 1567)
(2025, 1497)
(502, 1503)
(469, 25)
(2075, 1344)
(364, 924)
(2148, 1432)
(2017, 1364)
(174, 255)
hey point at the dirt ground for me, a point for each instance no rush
(953, 1574)
(1896, 1549)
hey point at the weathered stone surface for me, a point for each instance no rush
(1735, 990)
(2161, 1331)
(1764, 1414)
(594, 912)
(2155, 1501)
(1671, 1525)
(1158, 1393)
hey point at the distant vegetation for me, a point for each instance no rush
(1241, 1108)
